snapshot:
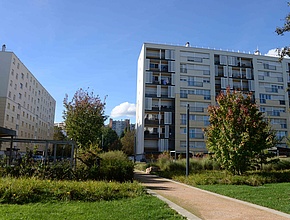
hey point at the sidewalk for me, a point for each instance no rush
(195, 203)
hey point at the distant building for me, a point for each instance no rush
(172, 77)
(25, 105)
(62, 126)
(119, 126)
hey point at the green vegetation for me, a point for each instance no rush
(275, 196)
(141, 207)
(29, 190)
(84, 118)
(281, 30)
(31, 198)
(238, 135)
(128, 142)
(91, 165)
(205, 171)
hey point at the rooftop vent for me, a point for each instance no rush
(3, 48)
(257, 52)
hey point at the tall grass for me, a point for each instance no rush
(27, 190)
(204, 171)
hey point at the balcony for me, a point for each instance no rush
(152, 95)
(148, 135)
(166, 108)
(151, 122)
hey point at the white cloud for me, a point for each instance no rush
(273, 52)
(124, 109)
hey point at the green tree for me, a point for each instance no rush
(238, 133)
(84, 117)
(281, 30)
(128, 142)
(110, 140)
(58, 134)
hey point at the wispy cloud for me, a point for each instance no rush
(124, 109)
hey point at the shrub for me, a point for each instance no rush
(115, 165)
(282, 164)
(163, 161)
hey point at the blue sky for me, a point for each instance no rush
(95, 44)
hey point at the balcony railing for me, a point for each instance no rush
(151, 122)
(151, 135)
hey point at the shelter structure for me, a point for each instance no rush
(4, 133)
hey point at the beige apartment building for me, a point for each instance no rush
(25, 105)
(172, 77)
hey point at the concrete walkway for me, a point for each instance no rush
(195, 203)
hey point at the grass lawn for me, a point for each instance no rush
(275, 196)
(142, 207)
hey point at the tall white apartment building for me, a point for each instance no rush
(25, 105)
(171, 77)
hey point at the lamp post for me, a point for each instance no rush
(187, 140)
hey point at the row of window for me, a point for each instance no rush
(205, 93)
(192, 117)
(193, 144)
(193, 132)
(43, 114)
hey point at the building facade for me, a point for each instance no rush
(172, 77)
(25, 105)
(119, 125)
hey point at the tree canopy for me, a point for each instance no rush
(281, 30)
(84, 117)
(128, 142)
(110, 140)
(238, 132)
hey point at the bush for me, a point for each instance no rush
(282, 164)
(115, 165)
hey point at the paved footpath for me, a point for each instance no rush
(195, 203)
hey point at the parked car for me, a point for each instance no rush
(38, 157)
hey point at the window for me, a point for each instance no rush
(195, 59)
(183, 93)
(269, 66)
(168, 118)
(21, 86)
(281, 134)
(183, 119)
(196, 133)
